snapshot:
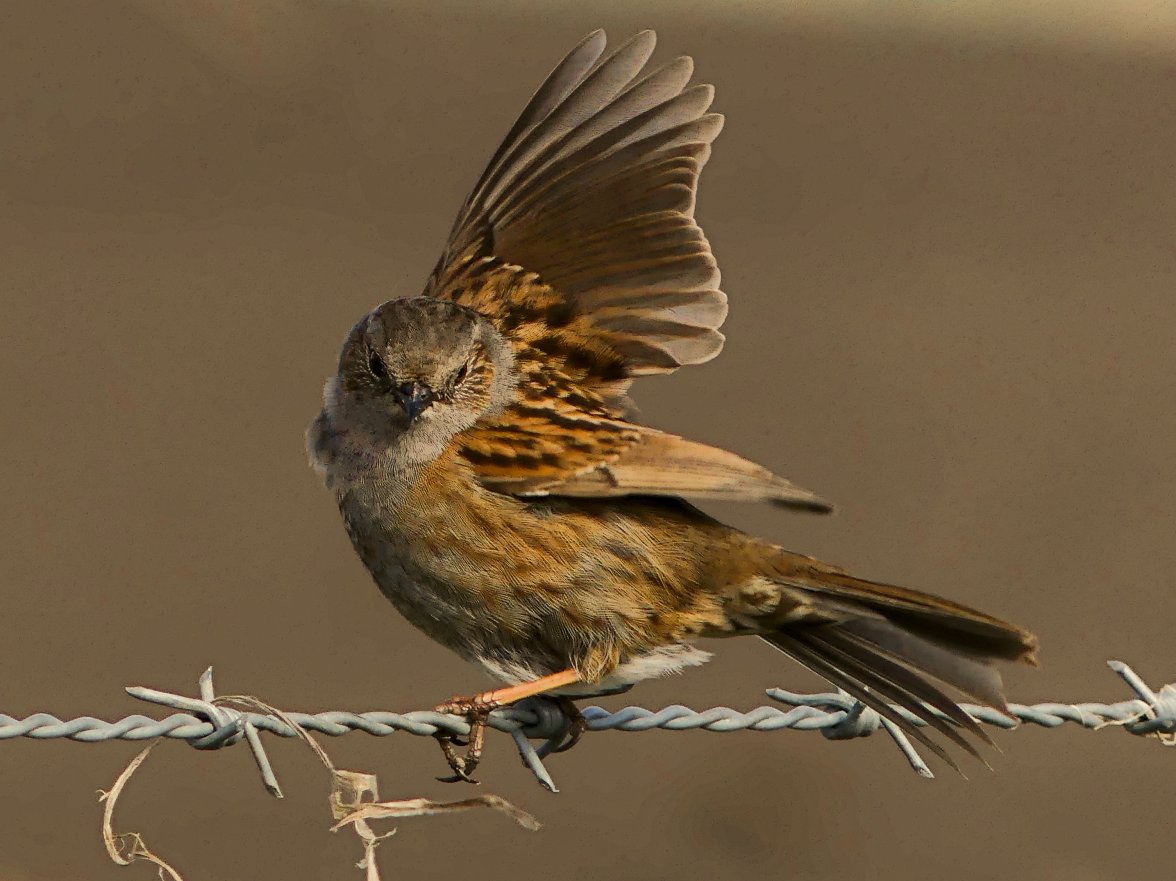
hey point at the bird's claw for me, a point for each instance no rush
(460, 775)
(476, 711)
(577, 724)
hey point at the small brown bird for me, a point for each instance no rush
(479, 444)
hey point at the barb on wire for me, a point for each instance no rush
(208, 725)
(229, 725)
(354, 795)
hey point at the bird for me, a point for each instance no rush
(484, 451)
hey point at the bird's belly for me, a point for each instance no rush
(661, 661)
(456, 592)
(414, 581)
(540, 587)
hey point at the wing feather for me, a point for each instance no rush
(579, 242)
(593, 190)
(655, 463)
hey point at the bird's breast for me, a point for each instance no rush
(580, 582)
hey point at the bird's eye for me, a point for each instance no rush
(376, 366)
(461, 373)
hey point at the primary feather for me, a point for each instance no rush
(593, 191)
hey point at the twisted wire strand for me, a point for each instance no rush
(211, 722)
(809, 712)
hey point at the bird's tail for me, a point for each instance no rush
(884, 645)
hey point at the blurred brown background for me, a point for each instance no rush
(947, 235)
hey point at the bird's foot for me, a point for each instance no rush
(577, 724)
(479, 707)
(476, 710)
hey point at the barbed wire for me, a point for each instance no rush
(207, 723)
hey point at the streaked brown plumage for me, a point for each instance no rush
(479, 443)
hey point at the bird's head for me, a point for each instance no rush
(417, 371)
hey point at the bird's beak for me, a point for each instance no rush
(414, 398)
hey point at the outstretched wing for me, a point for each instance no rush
(593, 189)
(579, 241)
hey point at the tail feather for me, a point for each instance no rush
(815, 660)
(895, 676)
(884, 644)
(934, 618)
(900, 687)
(974, 676)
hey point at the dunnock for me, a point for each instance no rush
(479, 441)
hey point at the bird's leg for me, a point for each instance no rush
(478, 708)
